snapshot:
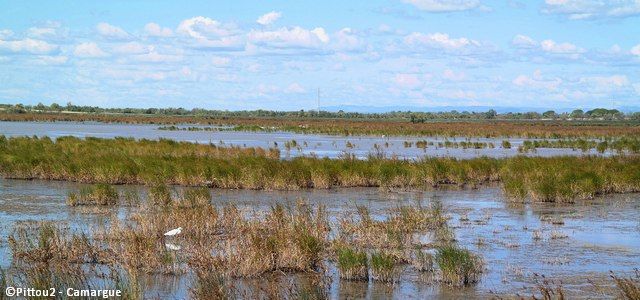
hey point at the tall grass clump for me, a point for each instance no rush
(422, 261)
(99, 194)
(44, 242)
(565, 179)
(209, 284)
(458, 266)
(383, 267)
(629, 288)
(352, 263)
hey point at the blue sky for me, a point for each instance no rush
(276, 54)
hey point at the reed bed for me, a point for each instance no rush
(156, 163)
(472, 128)
(621, 145)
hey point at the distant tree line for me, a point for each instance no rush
(415, 117)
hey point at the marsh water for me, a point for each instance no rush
(579, 243)
(307, 144)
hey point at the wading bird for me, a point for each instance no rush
(173, 232)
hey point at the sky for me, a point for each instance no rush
(276, 55)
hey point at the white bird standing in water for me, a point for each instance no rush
(173, 232)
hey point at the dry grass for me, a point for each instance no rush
(629, 288)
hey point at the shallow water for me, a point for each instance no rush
(309, 144)
(591, 238)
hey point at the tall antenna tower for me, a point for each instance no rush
(318, 101)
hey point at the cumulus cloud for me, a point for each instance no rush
(269, 18)
(131, 48)
(89, 50)
(537, 81)
(560, 48)
(523, 41)
(5, 33)
(294, 88)
(155, 57)
(296, 37)
(439, 41)
(347, 39)
(606, 83)
(444, 5)
(591, 9)
(407, 81)
(451, 75)
(155, 30)
(49, 31)
(220, 62)
(109, 31)
(212, 34)
(51, 60)
(549, 48)
(204, 28)
(27, 45)
(636, 50)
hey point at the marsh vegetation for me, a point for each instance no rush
(549, 129)
(128, 161)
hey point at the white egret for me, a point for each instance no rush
(173, 232)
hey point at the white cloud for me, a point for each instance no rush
(155, 57)
(636, 50)
(294, 88)
(547, 48)
(347, 40)
(131, 48)
(591, 9)
(523, 41)
(444, 5)
(453, 76)
(537, 81)
(439, 41)
(112, 32)
(407, 81)
(204, 28)
(265, 89)
(155, 30)
(220, 62)
(290, 37)
(48, 31)
(560, 48)
(88, 50)
(5, 33)
(606, 83)
(211, 34)
(269, 18)
(27, 45)
(52, 60)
